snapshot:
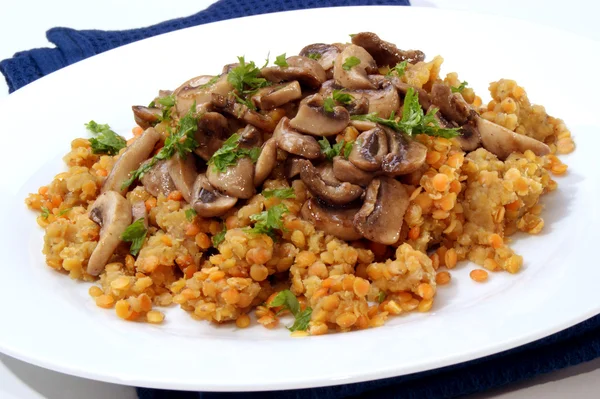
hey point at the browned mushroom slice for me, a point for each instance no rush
(369, 149)
(424, 98)
(306, 71)
(452, 105)
(250, 137)
(130, 160)
(157, 179)
(344, 170)
(324, 54)
(405, 154)
(313, 119)
(139, 211)
(199, 90)
(335, 194)
(359, 104)
(213, 130)
(383, 52)
(113, 213)
(381, 215)
(296, 143)
(332, 220)
(146, 117)
(363, 126)
(183, 172)
(354, 76)
(207, 201)
(237, 180)
(502, 142)
(266, 162)
(229, 105)
(274, 96)
(292, 167)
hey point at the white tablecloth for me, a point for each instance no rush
(22, 29)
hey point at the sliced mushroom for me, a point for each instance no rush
(402, 87)
(296, 143)
(452, 105)
(146, 117)
(382, 100)
(237, 180)
(274, 96)
(207, 201)
(306, 71)
(138, 211)
(354, 77)
(199, 90)
(502, 142)
(369, 149)
(338, 194)
(112, 212)
(130, 160)
(293, 166)
(363, 126)
(381, 216)
(266, 162)
(332, 220)
(250, 137)
(313, 119)
(385, 53)
(213, 130)
(469, 138)
(324, 54)
(405, 154)
(229, 105)
(344, 170)
(157, 179)
(183, 172)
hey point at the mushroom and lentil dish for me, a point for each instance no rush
(340, 186)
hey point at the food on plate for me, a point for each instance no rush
(339, 186)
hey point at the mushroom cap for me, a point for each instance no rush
(183, 172)
(303, 69)
(146, 117)
(344, 170)
(157, 179)
(194, 90)
(266, 162)
(385, 53)
(227, 103)
(237, 180)
(335, 221)
(274, 96)
(296, 143)
(313, 119)
(452, 105)
(502, 142)
(383, 99)
(356, 77)
(113, 213)
(213, 130)
(293, 166)
(327, 53)
(130, 160)
(207, 201)
(405, 154)
(322, 184)
(381, 216)
(401, 87)
(369, 149)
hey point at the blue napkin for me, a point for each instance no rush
(572, 346)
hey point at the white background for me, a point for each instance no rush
(23, 25)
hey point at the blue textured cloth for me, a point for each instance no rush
(575, 345)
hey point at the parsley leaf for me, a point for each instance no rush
(281, 193)
(211, 82)
(245, 77)
(381, 296)
(314, 56)
(339, 148)
(350, 62)
(64, 211)
(268, 221)
(45, 212)
(288, 301)
(106, 141)
(413, 121)
(281, 61)
(230, 152)
(460, 88)
(342, 97)
(167, 101)
(328, 104)
(190, 214)
(135, 233)
(399, 69)
(219, 237)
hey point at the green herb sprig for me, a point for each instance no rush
(106, 141)
(268, 221)
(230, 152)
(288, 301)
(340, 148)
(460, 88)
(281, 193)
(135, 233)
(350, 62)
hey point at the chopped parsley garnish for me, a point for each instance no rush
(45, 212)
(314, 56)
(64, 212)
(281, 193)
(245, 77)
(190, 214)
(288, 301)
(413, 121)
(350, 62)
(328, 104)
(219, 237)
(181, 142)
(339, 148)
(230, 152)
(106, 141)
(135, 233)
(167, 101)
(381, 296)
(460, 88)
(399, 69)
(342, 97)
(211, 82)
(268, 221)
(281, 61)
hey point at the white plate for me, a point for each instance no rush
(50, 321)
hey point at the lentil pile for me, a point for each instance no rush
(340, 186)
